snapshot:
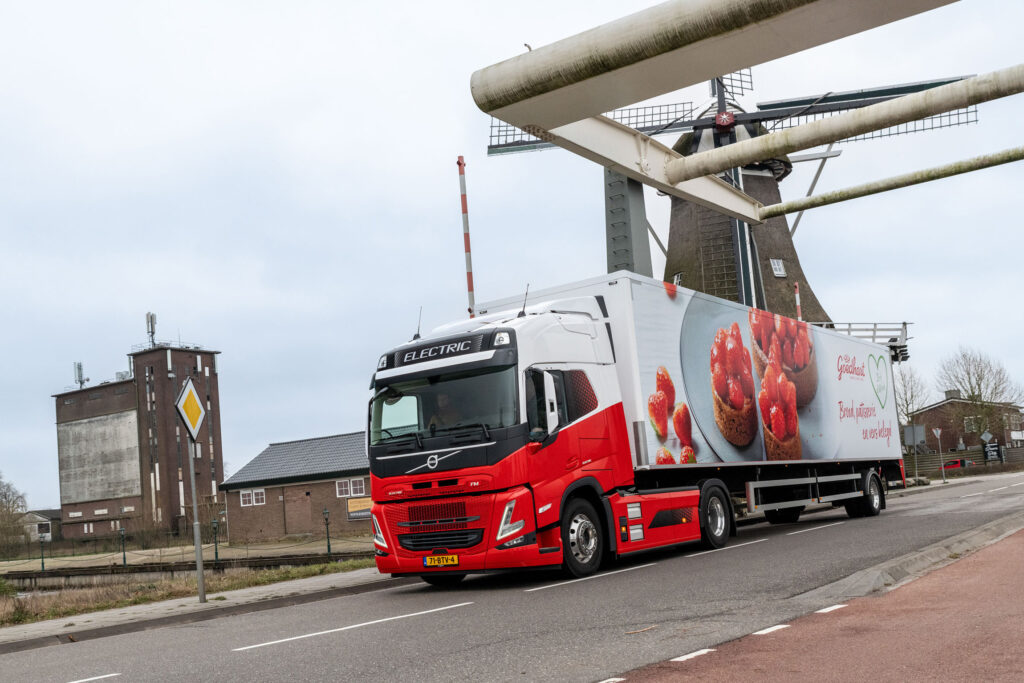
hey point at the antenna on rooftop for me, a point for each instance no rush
(522, 313)
(151, 328)
(79, 380)
(419, 320)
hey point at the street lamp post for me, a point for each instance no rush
(124, 556)
(327, 527)
(216, 553)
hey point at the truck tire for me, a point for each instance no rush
(715, 521)
(871, 504)
(443, 580)
(783, 516)
(582, 538)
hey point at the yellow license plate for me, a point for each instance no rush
(441, 561)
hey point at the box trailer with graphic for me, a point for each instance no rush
(616, 415)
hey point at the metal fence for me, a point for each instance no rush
(928, 464)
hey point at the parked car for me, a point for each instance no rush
(958, 463)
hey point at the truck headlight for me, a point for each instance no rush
(378, 536)
(507, 526)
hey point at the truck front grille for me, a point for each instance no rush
(463, 538)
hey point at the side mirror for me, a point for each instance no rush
(537, 435)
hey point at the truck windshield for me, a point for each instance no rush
(478, 399)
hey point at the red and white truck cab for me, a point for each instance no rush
(538, 434)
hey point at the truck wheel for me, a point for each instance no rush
(871, 504)
(714, 518)
(783, 516)
(443, 580)
(582, 540)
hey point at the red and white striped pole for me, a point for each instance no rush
(465, 235)
(796, 289)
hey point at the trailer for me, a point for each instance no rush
(612, 416)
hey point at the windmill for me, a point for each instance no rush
(707, 250)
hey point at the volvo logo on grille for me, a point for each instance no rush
(432, 462)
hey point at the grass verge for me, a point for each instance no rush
(71, 601)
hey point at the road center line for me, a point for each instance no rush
(815, 528)
(587, 578)
(347, 628)
(728, 547)
(998, 489)
(1020, 483)
(692, 655)
(613, 680)
(770, 629)
(95, 678)
(826, 610)
(972, 495)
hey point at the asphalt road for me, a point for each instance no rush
(539, 626)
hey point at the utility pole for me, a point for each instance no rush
(190, 407)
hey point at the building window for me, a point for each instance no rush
(358, 487)
(87, 528)
(246, 498)
(68, 401)
(971, 423)
(74, 514)
(677, 279)
(342, 488)
(101, 511)
(778, 267)
(258, 497)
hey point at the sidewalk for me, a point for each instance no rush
(182, 610)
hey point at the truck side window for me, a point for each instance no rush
(535, 399)
(563, 413)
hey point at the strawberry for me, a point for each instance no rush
(791, 421)
(787, 353)
(670, 289)
(735, 394)
(718, 381)
(733, 356)
(734, 332)
(657, 411)
(687, 456)
(778, 424)
(664, 457)
(766, 406)
(664, 383)
(747, 381)
(775, 351)
(770, 382)
(720, 337)
(681, 423)
(790, 328)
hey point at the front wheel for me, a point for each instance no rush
(714, 518)
(582, 541)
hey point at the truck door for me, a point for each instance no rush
(553, 462)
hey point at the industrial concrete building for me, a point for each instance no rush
(122, 448)
(285, 490)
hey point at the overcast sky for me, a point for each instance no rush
(277, 181)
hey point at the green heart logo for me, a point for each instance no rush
(879, 377)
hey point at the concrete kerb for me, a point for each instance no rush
(894, 573)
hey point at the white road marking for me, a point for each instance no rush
(698, 653)
(613, 680)
(728, 547)
(998, 489)
(972, 495)
(587, 578)
(833, 608)
(347, 628)
(1018, 484)
(95, 678)
(815, 528)
(770, 629)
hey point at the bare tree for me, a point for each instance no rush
(912, 392)
(12, 507)
(986, 387)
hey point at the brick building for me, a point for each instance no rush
(284, 490)
(963, 422)
(122, 449)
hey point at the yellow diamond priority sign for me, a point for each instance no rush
(190, 407)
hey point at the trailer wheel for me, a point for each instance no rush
(443, 580)
(872, 501)
(783, 516)
(582, 538)
(714, 518)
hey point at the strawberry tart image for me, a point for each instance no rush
(777, 402)
(791, 339)
(732, 387)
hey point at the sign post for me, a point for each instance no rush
(938, 435)
(190, 407)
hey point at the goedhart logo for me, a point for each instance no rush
(847, 366)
